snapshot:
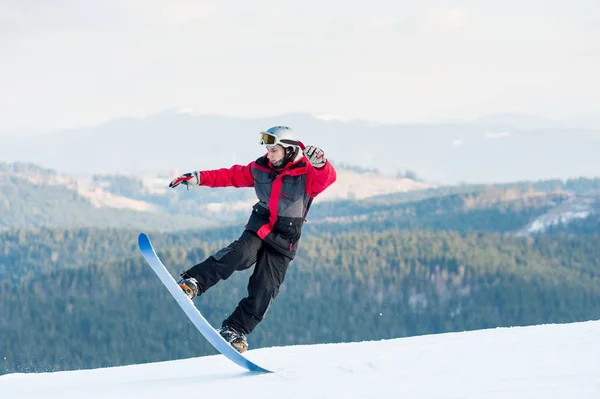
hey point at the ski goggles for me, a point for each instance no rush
(267, 139)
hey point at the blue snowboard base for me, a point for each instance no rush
(190, 309)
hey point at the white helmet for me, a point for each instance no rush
(279, 135)
(284, 137)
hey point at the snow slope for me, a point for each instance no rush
(577, 207)
(547, 361)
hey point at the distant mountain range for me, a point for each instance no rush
(497, 148)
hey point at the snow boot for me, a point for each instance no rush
(234, 337)
(189, 285)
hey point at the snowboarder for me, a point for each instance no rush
(285, 180)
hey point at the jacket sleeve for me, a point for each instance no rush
(236, 176)
(318, 179)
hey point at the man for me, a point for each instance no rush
(285, 180)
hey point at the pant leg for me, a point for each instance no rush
(239, 255)
(263, 287)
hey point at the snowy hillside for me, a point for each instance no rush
(576, 207)
(547, 361)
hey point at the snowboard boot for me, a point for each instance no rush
(189, 285)
(234, 337)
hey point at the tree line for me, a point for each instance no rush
(97, 304)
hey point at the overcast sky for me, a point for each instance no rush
(67, 63)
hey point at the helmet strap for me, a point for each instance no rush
(290, 154)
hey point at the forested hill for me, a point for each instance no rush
(97, 308)
(32, 196)
(511, 210)
(35, 197)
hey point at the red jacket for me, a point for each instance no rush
(283, 196)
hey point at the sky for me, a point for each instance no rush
(546, 361)
(71, 63)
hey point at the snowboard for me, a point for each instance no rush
(190, 309)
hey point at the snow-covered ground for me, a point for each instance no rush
(547, 361)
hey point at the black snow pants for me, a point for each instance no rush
(264, 283)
